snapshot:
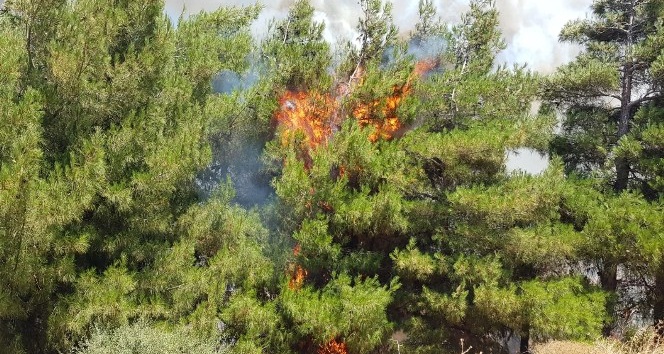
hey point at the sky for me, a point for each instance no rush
(530, 27)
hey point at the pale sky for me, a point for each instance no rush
(530, 27)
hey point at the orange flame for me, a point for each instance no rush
(424, 67)
(390, 124)
(333, 347)
(314, 115)
(308, 113)
(297, 278)
(297, 249)
(386, 126)
(297, 273)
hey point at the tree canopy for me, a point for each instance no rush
(181, 186)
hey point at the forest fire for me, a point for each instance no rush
(297, 273)
(423, 67)
(307, 113)
(308, 120)
(297, 278)
(315, 115)
(333, 347)
(387, 124)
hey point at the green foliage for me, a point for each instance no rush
(37, 252)
(104, 128)
(587, 131)
(350, 309)
(548, 309)
(252, 324)
(429, 25)
(296, 53)
(582, 81)
(412, 264)
(143, 337)
(610, 96)
(618, 64)
(111, 239)
(477, 39)
(377, 32)
(103, 300)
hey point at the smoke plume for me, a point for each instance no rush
(531, 30)
(529, 27)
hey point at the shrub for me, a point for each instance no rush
(142, 337)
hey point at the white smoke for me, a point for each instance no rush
(531, 30)
(529, 27)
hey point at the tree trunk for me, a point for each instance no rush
(626, 83)
(525, 341)
(608, 276)
(658, 306)
(622, 175)
(622, 166)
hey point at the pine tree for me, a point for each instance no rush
(464, 251)
(437, 201)
(339, 289)
(620, 40)
(35, 207)
(296, 53)
(608, 95)
(109, 111)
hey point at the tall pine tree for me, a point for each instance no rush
(609, 96)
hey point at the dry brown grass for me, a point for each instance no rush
(566, 348)
(643, 342)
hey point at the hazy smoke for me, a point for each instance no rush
(228, 81)
(244, 167)
(237, 156)
(531, 30)
(530, 27)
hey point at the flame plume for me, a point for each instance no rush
(307, 120)
(333, 347)
(387, 125)
(309, 113)
(423, 67)
(297, 273)
(315, 115)
(297, 278)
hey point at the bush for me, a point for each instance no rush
(141, 337)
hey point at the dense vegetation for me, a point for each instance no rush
(392, 225)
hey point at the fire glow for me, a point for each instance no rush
(333, 347)
(314, 117)
(387, 124)
(308, 120)
(308, 114)
(297, 273)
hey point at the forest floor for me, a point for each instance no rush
(644, 341)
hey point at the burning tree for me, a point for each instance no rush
(429, 198)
